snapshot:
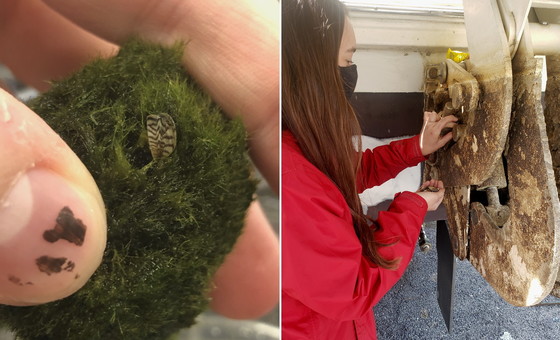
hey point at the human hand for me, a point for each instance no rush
(430, 137)
(42, 185)
(432, 191)
(232, 51)
(235, 61)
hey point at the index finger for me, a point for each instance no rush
(31, 53)
(430, 116)
(234, 56)
(232, 51)
(447, 119)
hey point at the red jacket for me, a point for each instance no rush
(328, 287)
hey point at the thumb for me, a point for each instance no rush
(52, 217)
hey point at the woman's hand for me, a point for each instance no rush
(432, 191)
(430, 137)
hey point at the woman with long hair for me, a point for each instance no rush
(336, 262)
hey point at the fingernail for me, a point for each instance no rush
(4, 113)
(43, 217)
(34, 203)
(15, 209)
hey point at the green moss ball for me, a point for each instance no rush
(170, 221)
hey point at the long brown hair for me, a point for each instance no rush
(314, 107)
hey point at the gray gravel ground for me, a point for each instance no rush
(410, 310)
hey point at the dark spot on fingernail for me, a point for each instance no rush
(50, 265)
(69, 266)
(67, 227)
(16, 280)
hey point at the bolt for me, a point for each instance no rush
(459, 131)
(437, 72)
(474, 217)
(456, 94)
(493, 197)
(448, 109)
(432, 72)
(498, 212)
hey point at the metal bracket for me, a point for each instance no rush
(514, 15)
(445, 273)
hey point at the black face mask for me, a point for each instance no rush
(349, 75)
